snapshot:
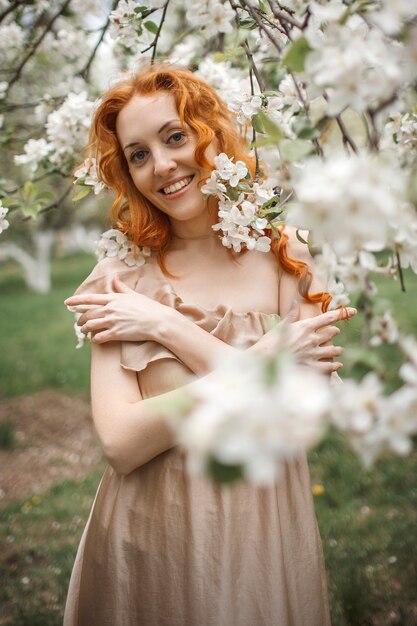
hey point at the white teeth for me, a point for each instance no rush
(177, 186)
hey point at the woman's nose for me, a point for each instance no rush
(163, 163)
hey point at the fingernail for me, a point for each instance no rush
(72, 309)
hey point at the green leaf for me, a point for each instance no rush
(151, 26)
(270, 205)
(82, 194)
(31, 209)
(257, 124)
(29, 189)
(224, 473)
(248, 23)
(295, 149)
(45, 195)
(297, 234)
(140, 9)
(270, 128)
(303, 128)
(228, 54)
(10, 203)
(296, 55)
(244, 187)
(264, 7)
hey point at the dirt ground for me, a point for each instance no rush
(55, 440)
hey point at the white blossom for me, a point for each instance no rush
(408, 370)
(329, 12)
(66, 131)
(87, 175)
(185, 51)
(352, 202)
(114, 243)
(384, 329)
(392, 14)
(244, 106)
(67, 127)
(211, 16)
(400, 134)
(126, 22)
(4, 224)
(222, 76)
(232, 172)
(12, 38)
(35, 152)
(355, 65)
(242, 419)
(4, 85)
(78, 332)
(372, 421)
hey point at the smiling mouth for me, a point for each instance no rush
(175, 187)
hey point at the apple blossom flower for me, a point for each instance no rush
(36, 150)
(352, 202)
(384, 329)
(87, 175)
(355, 65)
(211, 17)
(4, 224)
(252, 414)
(229, 171)
(114, 243)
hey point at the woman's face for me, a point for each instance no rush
(160, 155)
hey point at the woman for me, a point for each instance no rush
(162, 547)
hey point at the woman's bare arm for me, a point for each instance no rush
(132, 430)
(131, 316)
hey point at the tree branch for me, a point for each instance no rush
(347, 139)
(36, 45)
(9, 9)
(86, 69)
(53, 205)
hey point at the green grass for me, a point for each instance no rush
(367, 520)
(39, 538)
(7, 435)
(368, 524)
(37, 341)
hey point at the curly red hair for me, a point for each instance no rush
(208, 116)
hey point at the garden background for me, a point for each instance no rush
(49, 457)
(50, 460)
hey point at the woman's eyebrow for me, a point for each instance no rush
(134, 143)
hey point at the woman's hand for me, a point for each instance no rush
(310, 339)
(122, 316)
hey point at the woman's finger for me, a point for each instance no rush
(101, 337)
(92, 326)
(120, 286)
(83, 308)
(326, 334)
(328, 352)
(327, 367)
(330, 317)
(91, 315)
(89, 298)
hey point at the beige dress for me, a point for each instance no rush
(163, 548)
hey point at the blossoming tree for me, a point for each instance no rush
(326, 93)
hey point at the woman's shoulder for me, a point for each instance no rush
(116, 255)
(296, 244)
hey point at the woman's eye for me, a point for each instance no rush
(177, 137)
(138, 156)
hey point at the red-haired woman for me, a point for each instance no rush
(162, 547)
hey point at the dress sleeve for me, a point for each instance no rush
(134, 355)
